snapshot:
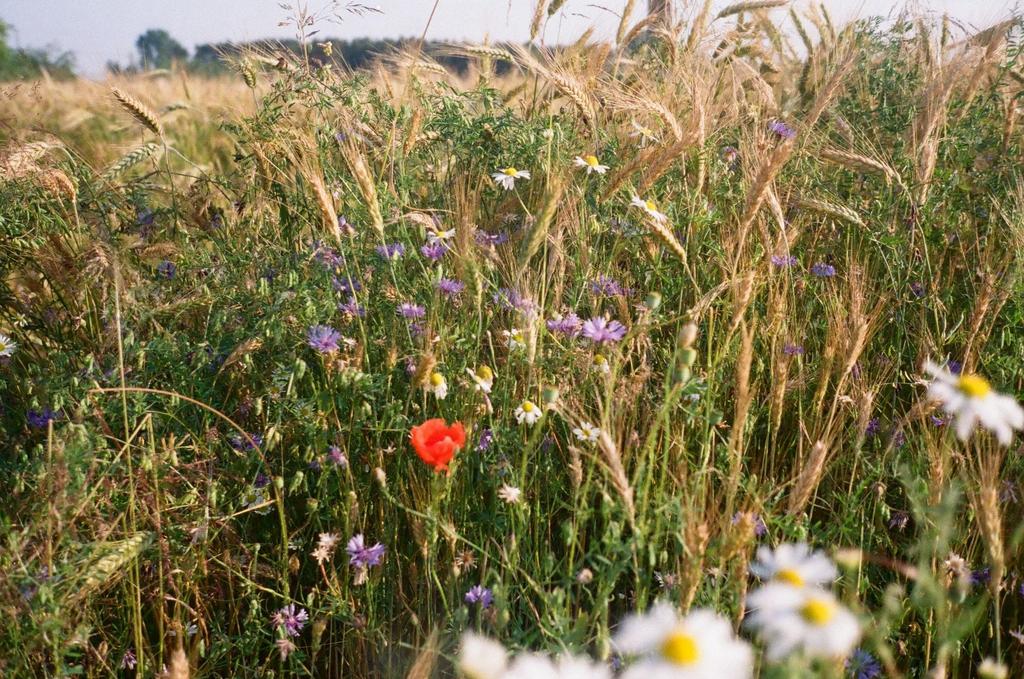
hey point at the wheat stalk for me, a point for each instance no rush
(831, 209)
(750, 6)
(131, 159)
(142, 113)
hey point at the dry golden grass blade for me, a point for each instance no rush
(835, 210)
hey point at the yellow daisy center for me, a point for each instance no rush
(650, 205)
(790, 577)
(527, 407)
(974, 385)
(3, 345)
(600, 360)
(818, 611)
(680, 648)
(510, 171)
(591, 161)
(437, 379)
(484, 373)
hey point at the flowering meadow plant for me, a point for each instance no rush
(693, 354)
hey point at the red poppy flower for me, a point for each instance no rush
(435, 442)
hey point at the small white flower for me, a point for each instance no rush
(509, 494)
(650, 207)
(535, 666)
(587, 432)
(972, 400)
(645, 135)
(506, 177)
(793, 564)
(700, 645)
(807, 620)
(325, 547)
(481, 658)
(439, 236)
(992, 669)
(483, 377)
(601, 365)
(437, 385)
(591, 163)
(514, 338)
(528, 412)
(7, 345)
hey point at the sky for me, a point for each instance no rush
(98, 31)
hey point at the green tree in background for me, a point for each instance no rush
(157, 49)
(19, 64)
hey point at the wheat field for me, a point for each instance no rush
(692, 354)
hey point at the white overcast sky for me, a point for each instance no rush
(100, 30)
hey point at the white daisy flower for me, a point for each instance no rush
(644, 134)
(793, 564)
(514, 338)
(528, 412)
(509, 494)
(7, 345)
(971, 399)
(992, 669)
(650, 207)
(601, 365)
(591, 163)
(700, 645)
(808, 620)
(535, 666)
(439, 236)
(506, 177)
(587, 432)
(437, 385)
(483, 377)
(481, 658)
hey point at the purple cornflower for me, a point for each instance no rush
(1008, 492)
(129, 661)
(730, 156)
(782, 129)
(450, 287)
(567, 325)
(314, 465)
(509, 299)
(290, 620)
(899, 520)
(478, 594)
(434, 251)
(144, 217)
(166, 269)
(981, 576)
(874, 426)
(823, 270)
(862, 665)
(491, 240)
(955, 367)
(391, 251)
(345, 286)
(323, 338)
(361, 556)
(239, 442)
(39, 419)
(410, 310)
(261, 481)
(936, 420)
(345, 227)
(760, 528)
(607, 286)
(486, 439)
(417, 329)
(917, 289)
(782, 261)
(352, 308)
(336, 457)
(601, 330)
(793, 350)
(327, 256)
